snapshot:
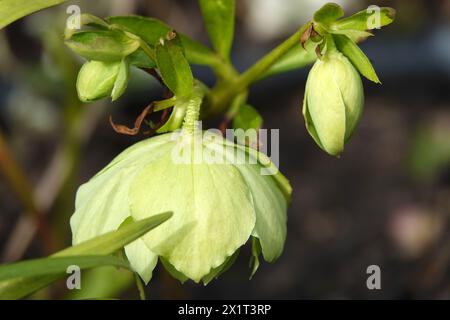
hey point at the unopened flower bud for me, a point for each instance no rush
(333, 102)
(99, 79)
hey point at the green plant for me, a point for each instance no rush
(221, 204)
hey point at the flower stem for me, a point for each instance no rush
(259, 68)
(223, 94)
(193, 108)
(139, 286)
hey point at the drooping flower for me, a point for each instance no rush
(220, 193)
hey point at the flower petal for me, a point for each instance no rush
(213, 212)
(269, 200)
(102, 204)
(142, 259)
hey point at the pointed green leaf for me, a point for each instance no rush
(93, 21)
(87, 19)
(112, 241)
(367, 19)
(174, 68)
(329, 13)
(54, 265)
(148, 29)
(356, 57)
(151, 30)
(355, 35)
(12, 10)
(218, 16)
(102, 45)
(102, 245)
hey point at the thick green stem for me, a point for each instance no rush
(193, 108)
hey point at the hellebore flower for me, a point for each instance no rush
(218, 200)
(333, 103)
(98, 79)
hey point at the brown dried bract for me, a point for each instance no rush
(306, 35)
(122, 129)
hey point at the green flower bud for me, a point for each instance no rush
(333, 103)
(219, 203)
(98, 79)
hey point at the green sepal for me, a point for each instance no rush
(365, 20)
(329, 13)
(120, 85)
(254, 260)
(102, 45)
(356, 56)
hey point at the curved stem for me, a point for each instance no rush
(223, 94)
(259, 68)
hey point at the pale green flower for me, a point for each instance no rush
(333, 103)
(218, 204)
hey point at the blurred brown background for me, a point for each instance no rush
(386, 201)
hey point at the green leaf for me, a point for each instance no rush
(140, 59)
(218, 16)
(152, 30)
(105, 244)
(12, 10)
(102, 45)
(356, 56)
(329, 13)
(93, 21)
(196, 52)
(366, 20)
(121, 82)
(247, 118)
(295, 58)
(355, 35)
(174, 68)
(87, 19)
(53, 265)
(148, 29)
(112, 241)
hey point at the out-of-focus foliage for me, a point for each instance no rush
(430, 150)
